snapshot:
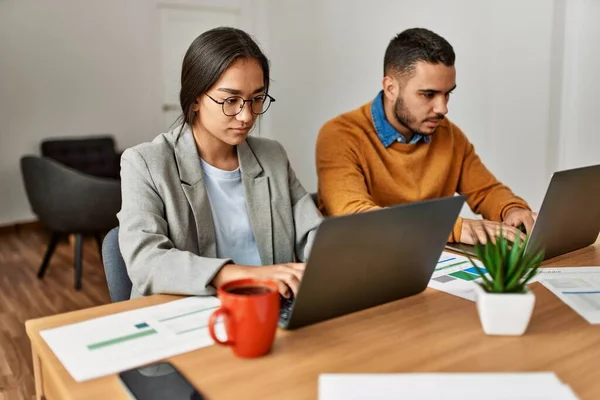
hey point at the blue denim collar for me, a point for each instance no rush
(386, 132)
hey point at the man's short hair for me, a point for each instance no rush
(413, 45)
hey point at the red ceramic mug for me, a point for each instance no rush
(250, 312)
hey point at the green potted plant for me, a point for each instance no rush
(504, 302)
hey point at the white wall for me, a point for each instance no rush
(292, 50)
(69, 68)
(579, 135)
(502, 102)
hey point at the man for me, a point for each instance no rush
(400, 148)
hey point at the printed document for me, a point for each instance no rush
(118, 342)
(447, 386)
(578, 287)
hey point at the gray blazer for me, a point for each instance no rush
(166, 230)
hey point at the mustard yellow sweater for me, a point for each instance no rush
(357, 173)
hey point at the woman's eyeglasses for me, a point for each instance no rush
(234, 105)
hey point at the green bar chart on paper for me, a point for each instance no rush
(464, 275)
(452, 266)
(456, 275)
(121, 339)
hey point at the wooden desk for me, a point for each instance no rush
(430, 332)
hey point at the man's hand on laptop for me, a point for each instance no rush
(520, 216)
(474, 231)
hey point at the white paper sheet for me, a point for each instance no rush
(578, 287)
(454, 274)
(451, 386)
(118, 342)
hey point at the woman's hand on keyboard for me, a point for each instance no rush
(287, 276)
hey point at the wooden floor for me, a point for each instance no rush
(23, 296)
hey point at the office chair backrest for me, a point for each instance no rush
(93, 155)
(66, 200)
(119, 284)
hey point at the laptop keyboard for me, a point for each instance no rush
(285, 308)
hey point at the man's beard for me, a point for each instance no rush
(406, 119)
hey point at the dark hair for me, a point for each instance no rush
(416, 44)
(209, 55)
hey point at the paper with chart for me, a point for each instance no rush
(448, 386)
(578, 287)
(118, 342)
(454, 274)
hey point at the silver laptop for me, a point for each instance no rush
(363, 260)
(569, 218)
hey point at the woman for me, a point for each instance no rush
(205, 203)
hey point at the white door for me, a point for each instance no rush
(181, 21)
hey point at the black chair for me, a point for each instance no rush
(70, 202)
(119, 284)
(93, 155)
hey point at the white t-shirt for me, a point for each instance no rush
(234, 235)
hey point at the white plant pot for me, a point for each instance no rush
(504, 313)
